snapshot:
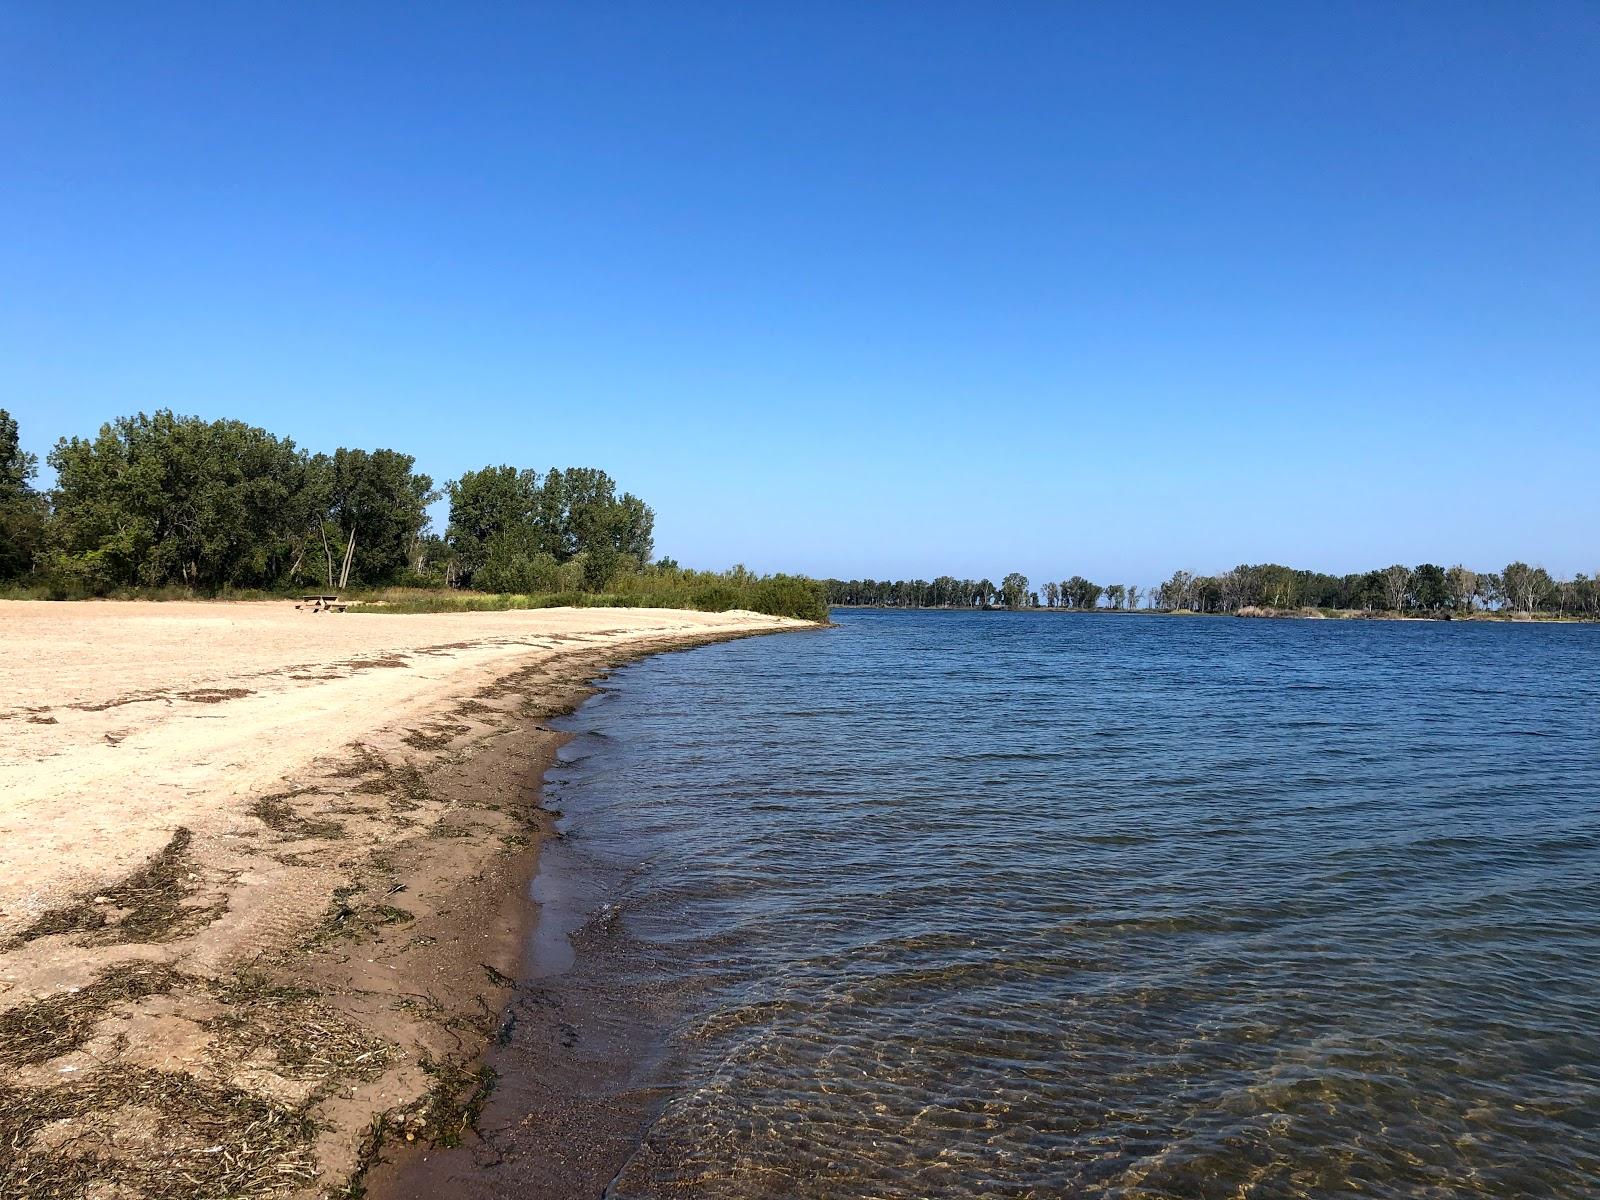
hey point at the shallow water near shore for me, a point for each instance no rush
(991, 904)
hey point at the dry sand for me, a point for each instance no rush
(260, 877)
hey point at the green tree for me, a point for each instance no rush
(1080, 593)
(1395, 584)
(377, 508)
(513, 565)
(635, 529)
(490, 504)
(507, 528)
(163, 499)
(1490, 589)
(17, 467)
(1588, 594)
(1429, 588)
(23, 511)
(1524, 588)
(1461, 585)
(1014, 590)
(1176, 593)
(1276, 586)
(610, 531)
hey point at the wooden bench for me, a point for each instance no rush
(323, 603)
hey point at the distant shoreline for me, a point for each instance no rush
(1248, 614)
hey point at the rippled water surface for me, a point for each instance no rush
(988, 904)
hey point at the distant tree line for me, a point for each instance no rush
(165, 501)
(1013, 591)
(1427, 589)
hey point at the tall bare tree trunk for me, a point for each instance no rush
(349, 557)
(327, 551)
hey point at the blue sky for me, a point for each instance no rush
(884, 289)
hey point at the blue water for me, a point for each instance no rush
(991, 904)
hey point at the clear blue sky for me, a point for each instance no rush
(886, 289)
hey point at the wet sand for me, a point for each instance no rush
(263, 878)
(574, 1076)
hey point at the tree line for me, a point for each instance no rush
(163, 500)
(166, 501)
(1426, 589)
(1013, 591)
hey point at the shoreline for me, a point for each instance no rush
(260, 1009)
(1252, 613)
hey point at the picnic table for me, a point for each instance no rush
(319, 603)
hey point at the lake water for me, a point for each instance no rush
(1040, 905)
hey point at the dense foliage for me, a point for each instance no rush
(1426, 590)
(511, 531)
(23, 511)
(161, 500)
(157, 503)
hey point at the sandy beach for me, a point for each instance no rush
(261, 876)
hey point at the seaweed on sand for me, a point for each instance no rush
(304, 1037)
(278, 815)
(402, 782)
(454, 1103)
(346, 918)
(47, 1028)
(154, 1134)
(149, 905)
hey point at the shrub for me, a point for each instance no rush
(524, 581)
(790, 596)
(519, 572)
(715, 597)
(76, 576)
